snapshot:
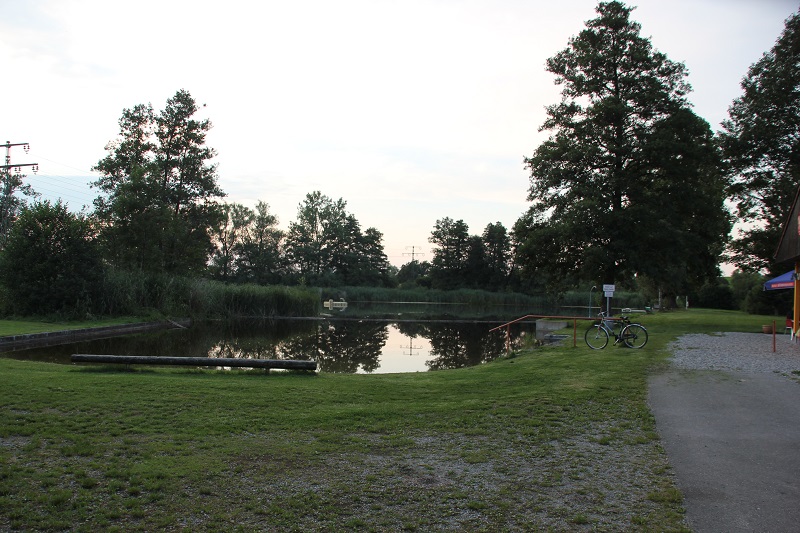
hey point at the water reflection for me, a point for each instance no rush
(342, 346)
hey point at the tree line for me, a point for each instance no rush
(629, 188)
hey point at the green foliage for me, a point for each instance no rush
(327, 246)
(749, 295)
(461, 260)
(138, 293)
(628, 183)
(761, 142)
(248, 246)
(160, 190)
(50, 264)
(716, 294)
(211, 299)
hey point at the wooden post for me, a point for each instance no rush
(774, 328)
(574, 332)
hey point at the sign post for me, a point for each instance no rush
(608, 289)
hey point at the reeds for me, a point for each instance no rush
(138, 294)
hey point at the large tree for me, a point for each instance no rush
(628, 182)
(160, 198)
(761, 141)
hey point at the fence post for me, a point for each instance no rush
(574, 332)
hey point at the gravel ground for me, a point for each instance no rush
(744, 352)
(726, 410)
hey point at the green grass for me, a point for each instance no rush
(22, 327)
(557, 438)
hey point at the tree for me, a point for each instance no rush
(327, 246)
(161, 191)
(761, 141)
(497, 246)
(414, 273)
(310, 240)
(50, 263)
(260, 253)
(228, 238)
(617, 163)
(449, 263)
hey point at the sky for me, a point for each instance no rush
(410, 111)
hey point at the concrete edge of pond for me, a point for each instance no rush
(32, 340)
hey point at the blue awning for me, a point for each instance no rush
(784, 281)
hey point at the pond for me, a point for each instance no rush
(338, 344)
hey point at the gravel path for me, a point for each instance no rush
(744, 352)
(727, 412)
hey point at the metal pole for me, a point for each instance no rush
(590, 300)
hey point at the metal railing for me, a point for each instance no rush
(553, 317)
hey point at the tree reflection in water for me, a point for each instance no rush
(457, 344)
(342, 346)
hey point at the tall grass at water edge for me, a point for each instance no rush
(129, 294)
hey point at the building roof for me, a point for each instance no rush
(789, 245)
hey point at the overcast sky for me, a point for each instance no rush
(410, 111)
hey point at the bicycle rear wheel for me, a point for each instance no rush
(596, 337)
(634, 336)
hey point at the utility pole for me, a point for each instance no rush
(18, 167)
(413, 253)
(9, 185)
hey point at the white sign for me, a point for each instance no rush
(609, 294)
(609, 288)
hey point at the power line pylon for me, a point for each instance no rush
(17, 167)
(413, 253)
(8, 186)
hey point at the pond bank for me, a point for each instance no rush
(32, 340)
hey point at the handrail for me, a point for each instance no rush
(557, 317)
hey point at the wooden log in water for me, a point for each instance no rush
(286, 364)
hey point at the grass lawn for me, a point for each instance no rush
(556, 438)
(23, 327)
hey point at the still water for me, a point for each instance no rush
(338, 345)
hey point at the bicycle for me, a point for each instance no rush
(631, 334)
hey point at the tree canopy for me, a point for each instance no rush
(160, 190)
(628, 183)
(761, 141)
(327, 246)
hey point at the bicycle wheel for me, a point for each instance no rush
(596, 337)
(634, 336)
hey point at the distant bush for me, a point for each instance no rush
(50, 264)
(716, 294)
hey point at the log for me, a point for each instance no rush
(286, 364)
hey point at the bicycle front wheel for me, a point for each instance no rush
(634, 336)
(596, 337)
